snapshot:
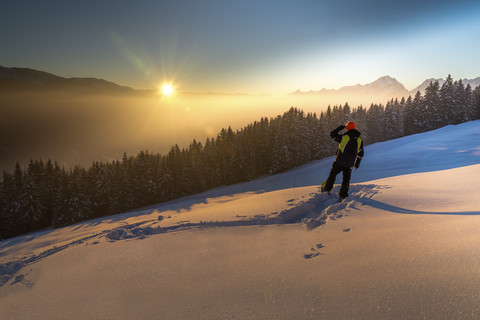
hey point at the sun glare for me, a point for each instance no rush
(167, 89)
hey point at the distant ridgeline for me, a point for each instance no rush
(21, 79)
(44, 194)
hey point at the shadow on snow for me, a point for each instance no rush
(312, 213)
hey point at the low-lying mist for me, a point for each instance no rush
(79, 128)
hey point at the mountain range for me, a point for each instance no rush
(385, 86)
(24, 78)
(12, 79)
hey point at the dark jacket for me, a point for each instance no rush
(350, 148)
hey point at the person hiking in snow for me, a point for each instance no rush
(349, 155)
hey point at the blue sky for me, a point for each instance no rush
(244, 46)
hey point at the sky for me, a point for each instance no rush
(248, 46)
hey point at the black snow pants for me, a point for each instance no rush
(347, 173)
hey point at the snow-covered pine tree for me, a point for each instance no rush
(338, 117)
(50, 188)
(390, 121)
(347, 112)
(246, 152)
(322, 145)
(146, 183)
(212, 174)
(359, 115)
(233, 166)
(194, 168)
(461, 104)
(313, 136)
(4, 223)
(328, 117)
(263, 145)
(470, 103)
(409, 118)
(72, 203)
(99, 189)
(66, 204)
(32, 210)
(15, 199)
(429, 113)
(376, 123)
(299, 137)
(176, 165)
(164, 180)
(476, 102)
(447, 103)
(7, 196)
(393, 120)
(120, 186)
(282, 156)
(224, 152)
(419, 119)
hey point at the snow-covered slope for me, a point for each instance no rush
(403, 245)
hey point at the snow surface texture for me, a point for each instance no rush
(417, 195)
(312, 210)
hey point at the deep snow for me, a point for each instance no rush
(403, 245)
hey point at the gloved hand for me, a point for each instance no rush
(357, 162)
(334, 133)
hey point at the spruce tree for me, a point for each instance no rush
(282, 156)
(400, 111)
(359, 115)
(429, 113)
(15, 200)
(408, 122)
(419, 117)
(212, 174)
(476, 103)
(72, 203)
(390, 121)
(376, 123)
(31, 207)
(7, 219)
(98, 189)
(461, 103)
(323, 143)
(50, 189)
(469, 103)
(447, 103)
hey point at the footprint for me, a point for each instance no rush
(22, 279)
(18, 279)
(311, 255)
(314, 252)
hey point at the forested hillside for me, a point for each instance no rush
(45, 194)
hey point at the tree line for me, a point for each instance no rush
(44, 194)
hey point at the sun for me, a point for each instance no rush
(167, 89)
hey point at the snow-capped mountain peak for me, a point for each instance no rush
(386, 86)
